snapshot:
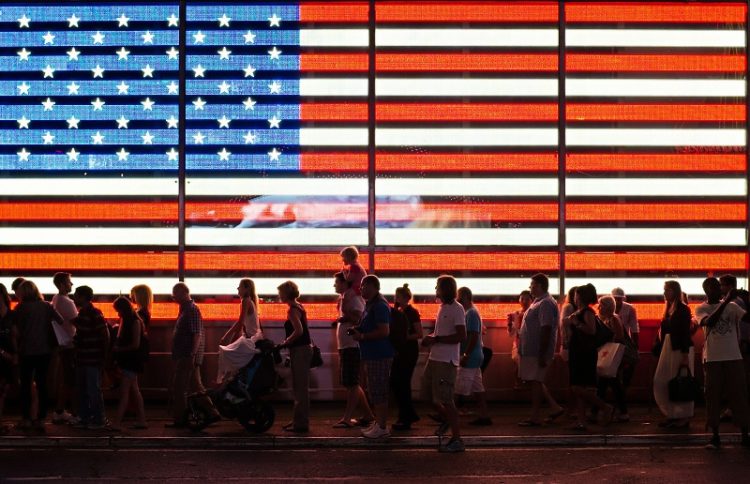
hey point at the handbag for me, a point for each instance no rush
(603, 334)
(608, 359)
(683, 387)
(316, 359)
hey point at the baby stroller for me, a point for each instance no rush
(240, 397)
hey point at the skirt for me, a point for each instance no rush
(236, 354)
(667, 368)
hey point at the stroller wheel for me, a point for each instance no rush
(256, 417)
(197, 418)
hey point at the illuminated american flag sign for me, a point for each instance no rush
(467, 176)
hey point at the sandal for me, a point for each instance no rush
(554, 416)
(529, 423)
(343, 424)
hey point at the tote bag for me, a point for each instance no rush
(608, 359)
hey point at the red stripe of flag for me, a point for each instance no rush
(655, 12)
(88, 261)
(656, 112)
(655, 62)
(334, 12)
(656, 212)
(469, 11)
(640, 162)
(657, 261)
(458, 62)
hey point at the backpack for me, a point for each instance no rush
(399, 328)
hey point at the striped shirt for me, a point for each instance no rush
(189, 322)
(91, 336)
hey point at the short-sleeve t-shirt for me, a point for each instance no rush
(67, 309)
(376, 312)
(629, 319)
(722, 341)
(542, 312)
(348, 302)
(448, 317)
(473, 325)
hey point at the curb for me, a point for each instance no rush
(423, 442)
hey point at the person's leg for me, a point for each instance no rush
(97, 398)
(536, 401)
(27, 370)
(41, 371)
(397, 385)
(713, 391)
(556, 407)
(734, 376)
(619, 393)
(300, 363)
(364, 404)
(447, 396)
(410, 412)
(196, 386)
(122, 405)
(180, 384)
(140, 411)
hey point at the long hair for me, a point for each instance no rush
(250, 284)
(4, 296)
(143, 296)
(124, 307)
(28, 292)
(676, 289)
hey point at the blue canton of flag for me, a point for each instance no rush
(89, 87)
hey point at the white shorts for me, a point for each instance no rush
(469, 381)
(529, 369)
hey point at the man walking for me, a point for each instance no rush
(188, 341)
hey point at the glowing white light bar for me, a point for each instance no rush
(655, 87)
(462, 236)
(523, 187)
(650, 187)
(333, 37)
(210, 237)
(464, 87)
(654, 137)
(465, 137)
(90, 186)
(276, 186)
(642, 286)
(333, 136)
(333, 87)
(619, 237)
(395, 37)
(654, 38)
(50, 236)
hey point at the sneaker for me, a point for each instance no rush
(454, 445)
(481, 422)
(60, 418)
(376, 432)
(713, 444)
(442, 429)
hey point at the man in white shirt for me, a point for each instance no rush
(626, 312)
(722, 361)
(439, 379)
(65, 362)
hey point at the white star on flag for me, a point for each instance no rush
(148, 138)
(199, 37)
(23, 22)
(198, 138)
(23, 88)
(73, 21)
(98, 71)
(173, 88)
(274, 21)
(98, 38)
(249, 37)
(148, 37)
(73, 88)
(122, 54)
(122, 122)
(73, 54)
(275, 87)
(122, 155)
(172, 154)
(249, 104)
(224, 20)
(73, 122)
(224, 154)
(173, 54)
(249, 71)
(199, 71)
(24, 54)
(122, 88)
(274, 154)
(48, 138)
(48, 104)
(23, 155)
(224, 122)
(173, 21)
(98, 104)
(275, 53)
(199, 103)
(49, 72)
(249, 138)
(97, 138)
(73, 154)
(122, 21)
(49, 39)
(224, 53)
(224, 87)
(274, 122)
(148, 104)
(148, 71)
(172, 122)
(23, 123)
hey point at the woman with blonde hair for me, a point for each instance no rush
(676, 352)
(144, 299)
(237, 346)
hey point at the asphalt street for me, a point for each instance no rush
(610, 464)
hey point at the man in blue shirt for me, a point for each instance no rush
(376, 353)
(469, 378)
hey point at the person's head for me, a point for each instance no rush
(403, 296)
(28, 292)
(619, 296)
(539, 284)
(712, 288)
(4, 298)
(585, 296)
(672, 292)
(123, 306)
(370, 287)
(570, 298)
(143, 296)
(246, 288)
(465, 297)
(349, 255)
(181, 293)
(62, 282)
(83, 296)
(525, 299)
(728, 282)
(446, 289)
(15, 285)
(340, 283)
(288, 292)
(606, 307)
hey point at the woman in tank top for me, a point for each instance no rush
(237, 346)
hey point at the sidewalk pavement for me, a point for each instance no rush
(504, 432)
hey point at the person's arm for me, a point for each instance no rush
(471, 343)
(458, 336)
(416, 325)
(618, 329)
(55, 315)
(297, 329)
(588, 326)
(633, 327)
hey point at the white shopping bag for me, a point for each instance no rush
(609, 359)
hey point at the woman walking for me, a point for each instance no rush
(676, 352)
(300, 352)
(128, 356)
(407, 353)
